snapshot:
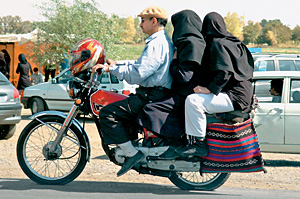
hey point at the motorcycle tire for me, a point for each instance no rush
(194, 181)
(69, 158)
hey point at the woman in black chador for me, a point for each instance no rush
(229, 82)
(166, 118)
(23, 69)
(5, 67)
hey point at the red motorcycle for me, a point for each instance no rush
(54, 147)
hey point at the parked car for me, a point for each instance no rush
(276, 62)
(277, 121)
(53, 95)
(10, 108)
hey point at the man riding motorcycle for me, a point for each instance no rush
(150, 72)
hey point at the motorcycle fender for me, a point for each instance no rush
(74, 121)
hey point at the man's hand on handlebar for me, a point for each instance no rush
(99, 67)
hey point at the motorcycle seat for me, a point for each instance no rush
(232, 117)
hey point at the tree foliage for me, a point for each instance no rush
(296, 34)
(280, 33)
(129, 31)
(14, 25)
(251, 32)
(67, 24)
(235, 24)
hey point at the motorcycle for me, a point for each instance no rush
(54, 147)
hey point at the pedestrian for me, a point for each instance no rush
(6, 69)
(36, 77)
(23, 69)
(151, 73)
(50, 70)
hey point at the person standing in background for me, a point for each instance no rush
(6, 68)
(50, 70)
(23, 69)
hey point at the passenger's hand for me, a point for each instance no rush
(201, 89)
(99, 67)
(111, 62)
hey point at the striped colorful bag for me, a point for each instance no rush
(232, 148)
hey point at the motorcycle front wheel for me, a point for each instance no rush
(194, 181)
(60, 167)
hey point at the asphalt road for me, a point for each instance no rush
(99, 180)
(23, 188)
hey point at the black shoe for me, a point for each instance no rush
(169, 154)
(199, 149)
(130, 162)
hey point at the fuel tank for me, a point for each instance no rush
(102, 98)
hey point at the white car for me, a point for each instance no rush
(53, 95)
(277, 121)
(276, 62)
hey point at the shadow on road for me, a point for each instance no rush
(25, 117)
(281, 163)
(100, 187)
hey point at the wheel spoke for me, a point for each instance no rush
(38, 139)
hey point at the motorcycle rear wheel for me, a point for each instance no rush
(68, 160)
(194, 181)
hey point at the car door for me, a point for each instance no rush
(292, 113)
(105, 83)
(110, 82)
(57, 96)
(269, 116)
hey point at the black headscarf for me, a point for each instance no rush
(187, 36)
(22, 58)
(6, 56)
(226, 52)
(2, 59)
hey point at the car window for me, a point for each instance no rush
(64, 78)
(114, 79)
(286, 65)
(295, 91)
(297, 62)
(265, 65)
(104, 78)
(262, 90)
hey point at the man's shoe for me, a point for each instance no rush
(199, 149)
(130, 162)
(169, 154)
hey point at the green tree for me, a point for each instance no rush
(140, 36)
(251, 32)
(235, 24)
(169, 29)
(129, 31)
(14, 25)
(280, 33)
(67, 24)
(271, 36)
(296, 34)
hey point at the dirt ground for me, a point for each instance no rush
(282, 169)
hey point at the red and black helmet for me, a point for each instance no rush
(85, 54)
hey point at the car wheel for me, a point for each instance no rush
(7, 131)
(37, 105)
